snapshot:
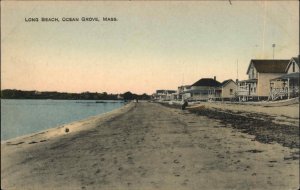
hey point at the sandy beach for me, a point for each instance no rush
(150, 146)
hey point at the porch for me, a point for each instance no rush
(284, 87)
(247, 88)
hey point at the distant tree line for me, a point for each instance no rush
(20, 94)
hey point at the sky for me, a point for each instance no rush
(152, 45)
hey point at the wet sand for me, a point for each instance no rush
(148, 146)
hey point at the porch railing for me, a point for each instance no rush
(283, 93)
(244, 91)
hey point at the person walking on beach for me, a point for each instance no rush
(184, 105)
(136, 101)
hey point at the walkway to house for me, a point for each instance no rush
(151, 147)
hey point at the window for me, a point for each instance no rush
(293, 67)
(231, 91)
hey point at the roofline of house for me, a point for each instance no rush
(228, 81)
(249, 66)
(292, 59)
(202, 79)
(251, 62)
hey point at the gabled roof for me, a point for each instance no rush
(269, 65)
(207, 82)
(296, 59)
(225, 82)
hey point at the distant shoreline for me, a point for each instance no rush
(96, 101)
(33, 94)
(59, 99)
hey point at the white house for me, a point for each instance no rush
(228, 89)
(164, 94)
(204, 89)
(287, 85)
(260, 72)
(182, 92)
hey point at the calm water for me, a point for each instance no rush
(21, 117)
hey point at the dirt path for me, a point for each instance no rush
(152, 147)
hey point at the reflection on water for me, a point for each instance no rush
(20, 117)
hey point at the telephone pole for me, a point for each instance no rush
(273, 45)
(237, 69)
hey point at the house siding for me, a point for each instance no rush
(263, 84)
(226, 90)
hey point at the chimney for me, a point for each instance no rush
(215, 78)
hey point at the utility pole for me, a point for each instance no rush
(182, 82)
(237, 69)
(273, 45)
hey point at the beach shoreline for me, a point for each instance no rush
(150, 146)
(71, 127)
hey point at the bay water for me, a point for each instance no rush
(21, 117)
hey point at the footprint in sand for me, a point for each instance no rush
(154, 184)
(32, 142)
(115, 161)
(254, 151)
(9, 143)
(98, 171)
(129, 160)
(185, 182)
